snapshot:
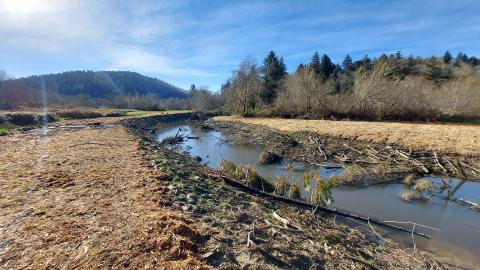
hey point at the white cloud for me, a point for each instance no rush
(142, 60)
(50, 25)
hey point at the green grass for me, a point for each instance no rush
(6, 131)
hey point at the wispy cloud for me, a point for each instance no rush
(197, 41)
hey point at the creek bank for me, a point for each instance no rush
(374, 163)
(251, 232)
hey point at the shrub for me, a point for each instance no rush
(22, 119)
(228, 166)
(254, 179)
(294, 191)
(281, 185)
(409, 195)
(79, 114)
(409, 180)
(323, 192)
(423, 184)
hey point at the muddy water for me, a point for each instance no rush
(458, 238)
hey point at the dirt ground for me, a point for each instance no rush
(445, 138)
(85, 198)
(90, 194)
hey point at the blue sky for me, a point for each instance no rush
(201, 42)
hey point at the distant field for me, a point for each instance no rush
(449, 138)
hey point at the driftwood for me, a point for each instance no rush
(340, 212)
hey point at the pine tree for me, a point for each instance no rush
(347, 63)
(326, 67)
(315, 64)
(447, 57)
(273, 70)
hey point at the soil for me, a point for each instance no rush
(95, 194)
(84, 197)
(380, 162)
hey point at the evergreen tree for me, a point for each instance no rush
(398, 55)
(473, 61)
(272, 70)
(282, 68)
(326, 67)
(315, 64)
(409, 67)
(347, 63)
(192, 88)
(432, 70)
(447, 57)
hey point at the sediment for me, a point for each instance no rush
(382, 162)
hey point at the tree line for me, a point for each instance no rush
(121, 89)
(387, 87)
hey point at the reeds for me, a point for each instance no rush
(281, 185)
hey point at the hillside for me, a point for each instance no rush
(100, 84)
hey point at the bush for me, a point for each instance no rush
(22, 119)
(294, 191)
(79, 114)
(281, 185)
(115, 114)
(423, 184)
(410, 195)
(409, 180)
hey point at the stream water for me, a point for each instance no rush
(458, 238)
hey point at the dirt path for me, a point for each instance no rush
(85, 198)
(449, 138)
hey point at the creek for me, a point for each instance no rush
(458, 238)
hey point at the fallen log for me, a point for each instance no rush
(336, 211)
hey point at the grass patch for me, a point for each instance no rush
(6, 131)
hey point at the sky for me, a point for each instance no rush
(202, 42)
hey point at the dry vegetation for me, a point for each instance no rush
(84, 198)
(449, 138)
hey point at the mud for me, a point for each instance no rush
(381, 163)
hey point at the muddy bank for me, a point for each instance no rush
(246, 231)
(379, 162)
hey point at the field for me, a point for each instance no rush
(445, 138)
(85, 197)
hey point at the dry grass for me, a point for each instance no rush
(423, 184)
(448, 138)
(411, 195)
(90, 202)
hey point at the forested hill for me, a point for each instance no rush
(103, 84)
